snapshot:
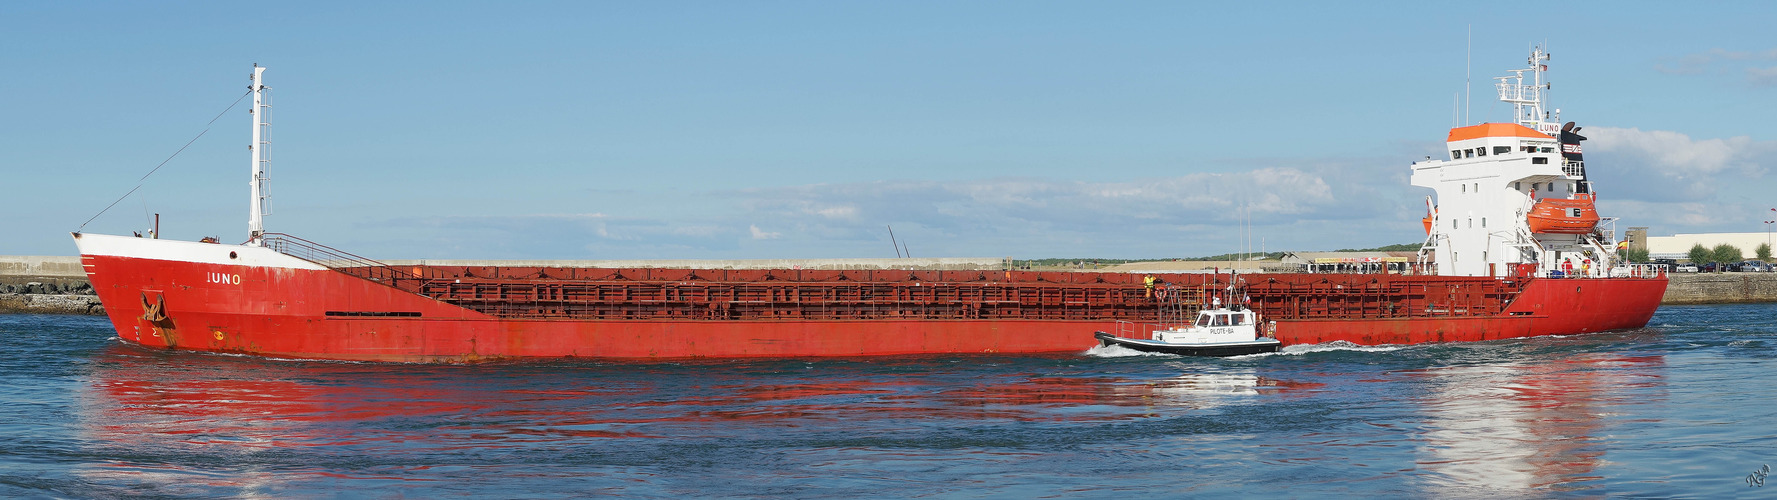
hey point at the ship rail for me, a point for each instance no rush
(1638, 271)
(1137, 330)
(1573, 168)
(346, 262)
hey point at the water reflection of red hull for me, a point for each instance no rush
(1526, 427)
(144, 395)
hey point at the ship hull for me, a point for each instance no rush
(251, 300)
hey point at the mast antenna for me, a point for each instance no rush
(1528, 99)
(260, 150)
(1468, 72)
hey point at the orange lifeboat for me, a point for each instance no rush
(1575, 215)
(1431, 212)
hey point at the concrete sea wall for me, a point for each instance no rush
(1720, 288)
(45, 285)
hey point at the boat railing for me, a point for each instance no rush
(1638, 271)
(1133, 330)
(1573, 168)
(343, 261)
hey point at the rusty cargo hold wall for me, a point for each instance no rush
(779, 294)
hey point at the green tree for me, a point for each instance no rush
(1634, 255)
(1725, 253)
(1763, 251)
(1700, 254)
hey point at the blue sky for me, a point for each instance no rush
(588, 130)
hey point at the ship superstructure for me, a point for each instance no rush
(1512, 198)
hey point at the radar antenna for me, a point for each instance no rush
(1527, 99)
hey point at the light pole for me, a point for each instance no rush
(1768, 232)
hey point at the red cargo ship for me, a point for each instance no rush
(278, 295)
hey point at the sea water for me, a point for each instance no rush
(1681, 408)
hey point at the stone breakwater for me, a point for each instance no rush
(49, 296)
(50, 304)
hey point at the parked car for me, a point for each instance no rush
(1687, 268)
(1753, 266)
(1708, 267)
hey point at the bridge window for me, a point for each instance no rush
(1539, 161)
(1455, 153)
(1500, 150)
(1481, 151)
(1468, 153)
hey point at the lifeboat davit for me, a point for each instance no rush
(1576, 215)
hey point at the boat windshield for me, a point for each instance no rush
(1203, 320)
(1239, 319)
(1221, 320)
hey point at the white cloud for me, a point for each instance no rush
(1763, 77)
(1672, 182)
(763, 235)
(1724, 61)
(843, 212)
(1660, 165)
(1337, 204)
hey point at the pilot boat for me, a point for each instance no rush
(1221, 331)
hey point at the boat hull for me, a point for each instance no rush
(250, 300)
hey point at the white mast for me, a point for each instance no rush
(259, 148)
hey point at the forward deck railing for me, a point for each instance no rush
(343, 261)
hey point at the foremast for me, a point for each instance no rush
(260, 150)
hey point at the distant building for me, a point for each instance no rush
(1636, 238)
(1678, 246)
